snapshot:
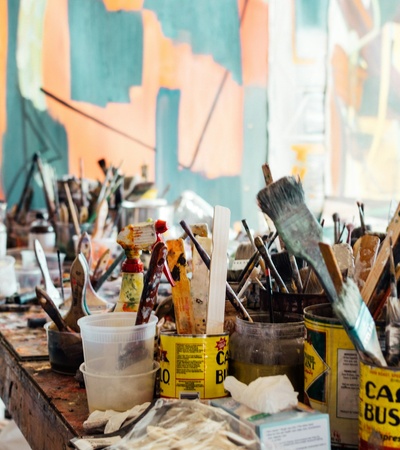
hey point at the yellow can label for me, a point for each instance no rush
(331, 378)
(379, 413)
(193, 364)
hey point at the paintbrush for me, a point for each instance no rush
(362, 219)
(253, 277)
(251, 239)
(262, 248)
(72, 209)
(283, 264)
(284, 202)
(250, 265)
(98, 283)
(48, 193)
(336, 227)
(352, 312)
(151, 282)
(25, 190)
(230, 294)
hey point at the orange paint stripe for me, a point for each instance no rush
(129, 5)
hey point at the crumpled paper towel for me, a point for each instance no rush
(265, 394)
(112, 420)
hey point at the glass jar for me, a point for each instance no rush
(42, 230)
(263, 348)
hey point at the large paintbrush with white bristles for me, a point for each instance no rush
(283, 201)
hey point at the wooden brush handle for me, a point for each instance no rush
(151, 283)
(26, 190)
(85, 247)
(332, 265)
(49, 203)
(72, 209)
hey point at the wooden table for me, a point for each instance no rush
(49, 408)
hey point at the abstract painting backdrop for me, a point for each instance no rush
(178, 85)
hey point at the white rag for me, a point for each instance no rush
(265, 394)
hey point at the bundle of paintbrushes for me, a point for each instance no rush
(199, 302)
(283, 201)
(91, 204)
(44, 175)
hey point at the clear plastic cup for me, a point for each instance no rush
(119, 393)
(114, 345)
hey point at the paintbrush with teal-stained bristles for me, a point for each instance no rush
(284, 202)
(352, 311)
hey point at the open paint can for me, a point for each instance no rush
(193, 366)
(331, 374)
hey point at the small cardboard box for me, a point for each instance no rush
(297, 429)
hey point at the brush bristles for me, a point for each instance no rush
(275, 199)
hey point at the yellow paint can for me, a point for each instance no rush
(193, 366)
(379, 412)
(331, 374)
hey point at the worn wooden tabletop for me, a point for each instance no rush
(48, 407)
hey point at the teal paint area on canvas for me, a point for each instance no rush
(223, 191)
(28, 131)
(106, 52)
(210, 27)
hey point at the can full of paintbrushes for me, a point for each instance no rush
(193, 366)
(331, 374)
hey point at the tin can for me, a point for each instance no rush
(331, 374)
(379, 407)
(193, 366)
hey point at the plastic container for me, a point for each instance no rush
(65, 350)
(263, 348)
(28, 278)
(8, 279)
(119, 393)
(114, 345)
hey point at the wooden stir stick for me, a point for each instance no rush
(181, 296)
(218, 271)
